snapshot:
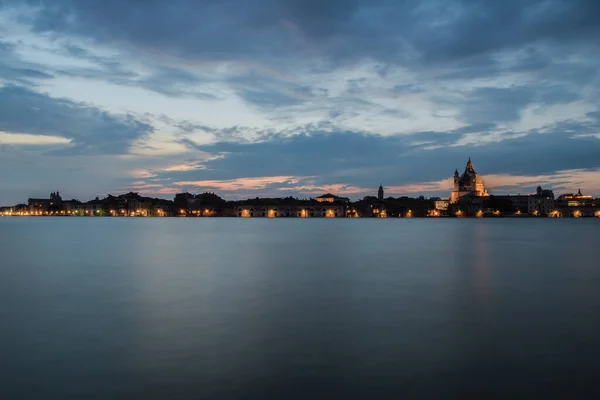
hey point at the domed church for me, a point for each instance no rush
(469, 183)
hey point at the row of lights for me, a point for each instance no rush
(160, 212)
(271, 213)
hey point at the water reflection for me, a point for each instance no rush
(483, 262)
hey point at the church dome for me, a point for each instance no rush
(468, 183)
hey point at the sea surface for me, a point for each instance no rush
(111, 308)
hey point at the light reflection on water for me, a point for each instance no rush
(231, 308)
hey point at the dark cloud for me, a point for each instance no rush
(485, 104)
(91, 130)
(339, 29)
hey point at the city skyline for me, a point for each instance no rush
(297, 98)
(390, 191)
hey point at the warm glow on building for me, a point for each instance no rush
(245, 213)
(441, 205)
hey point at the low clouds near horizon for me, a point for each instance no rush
(297, 97)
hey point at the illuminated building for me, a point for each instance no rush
(441, 205)
(42, 205)
(541, 203)
(331, 198)
(469, 183)
(575, 200)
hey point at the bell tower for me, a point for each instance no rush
(380, 193)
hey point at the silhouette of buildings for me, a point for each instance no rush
(469, 197)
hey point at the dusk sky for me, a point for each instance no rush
(297, 97)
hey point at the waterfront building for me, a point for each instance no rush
(519, 202)
(205, 205)
(41, 206)
(93, 207)
(288, 207)
(541, 203)
(575, 200)
(469, 183)
(297, 211)
(576, 205)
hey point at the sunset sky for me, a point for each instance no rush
(297, 97)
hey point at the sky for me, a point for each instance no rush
(297, 97)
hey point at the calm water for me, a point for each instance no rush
(233, 308)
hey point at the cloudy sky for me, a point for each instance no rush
(297, 97)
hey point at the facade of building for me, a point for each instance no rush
(519, 202)
(37, 206)
(469, 183)
(576, 205)
(575, 200)
(541, 203)
(290, 211)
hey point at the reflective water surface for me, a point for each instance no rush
(240, 308)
